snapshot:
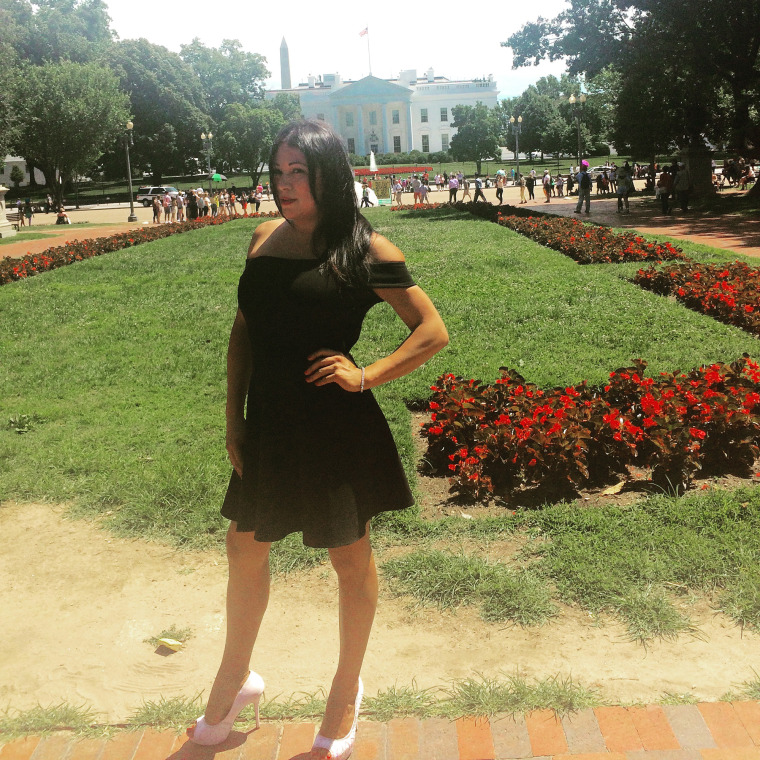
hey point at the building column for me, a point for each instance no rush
(411, 131)
(386, 147)
(360, 148)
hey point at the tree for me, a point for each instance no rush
(227, 74)
(69, 112)
(248, 132)
(167, 102)
(17, 175)
(706, 51)
(49, 31)
(478, 130)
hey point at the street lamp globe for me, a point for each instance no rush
(203, 135)
(571, 100)
(130, 125)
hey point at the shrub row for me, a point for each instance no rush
(588, 243)
(727, 292)
(12, 269)
(585, 243)
(494, 439)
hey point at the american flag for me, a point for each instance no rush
(364, 31)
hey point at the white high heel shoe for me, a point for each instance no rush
(340, 749)
(251, 691)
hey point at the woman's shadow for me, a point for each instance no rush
(191, 751)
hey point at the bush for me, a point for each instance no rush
(727, 292)
(497, 438)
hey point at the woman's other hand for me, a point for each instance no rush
(235, 441)
(329, 366)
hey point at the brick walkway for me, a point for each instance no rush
(707, 731)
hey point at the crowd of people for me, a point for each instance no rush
(197, 203)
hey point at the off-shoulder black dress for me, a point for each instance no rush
(317, 460)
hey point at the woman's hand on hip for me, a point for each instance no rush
(329, 366)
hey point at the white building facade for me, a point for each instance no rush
(391, 115)
(8, 164)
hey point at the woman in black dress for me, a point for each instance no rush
(310, 448)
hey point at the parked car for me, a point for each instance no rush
(147, 193)
(595, 171)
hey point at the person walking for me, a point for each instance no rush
(664, 188)
(500, 180)
(682, 186)
(453, 188)
(181, 207)
(464, 186)
(584, 188)
(28, 212)
(522, 188)
(479, 189)
(530, 182)
(547, 183)
(310, 449)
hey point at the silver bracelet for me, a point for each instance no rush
(361, 385)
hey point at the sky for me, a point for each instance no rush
(324, 38)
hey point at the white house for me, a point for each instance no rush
(391, 115)
(10, 162)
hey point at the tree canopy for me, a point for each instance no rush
(70, 113)
(694, 65)
(247, 132)
(167, 101)
(478, 132)
(228, 74)
(49, 31)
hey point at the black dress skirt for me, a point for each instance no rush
(316, 460)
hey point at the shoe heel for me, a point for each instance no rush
(256, 701)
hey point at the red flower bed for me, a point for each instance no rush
(418, 206)
(728, 292)
(587, 243)
(497, 438)
(77, 250)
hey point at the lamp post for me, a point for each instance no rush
(127, 142)
(208, 149)
(577, 112)
(516, 125)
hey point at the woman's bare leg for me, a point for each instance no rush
(247, 597)
(357, 583)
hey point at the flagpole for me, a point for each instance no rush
(369, 57)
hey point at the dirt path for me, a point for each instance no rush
(78, 603)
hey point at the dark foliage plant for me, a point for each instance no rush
(727, 292)
(495, 439)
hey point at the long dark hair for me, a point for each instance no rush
(342, 236)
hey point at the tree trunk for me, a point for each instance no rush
(478, 164)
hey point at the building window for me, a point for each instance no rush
(444, 114)
(373, 147)
(349, 119)
(320, 116)
(423, 115)
(397, 143)
(394, 116)
(351, 145)
(444, 142)
(426, 143)
(373, 118)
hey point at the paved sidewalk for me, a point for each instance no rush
(707, 731)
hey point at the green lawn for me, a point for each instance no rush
(119, 364)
